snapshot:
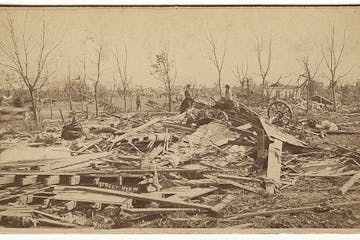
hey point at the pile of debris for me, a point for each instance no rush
(195, 169)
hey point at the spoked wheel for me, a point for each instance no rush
(280, 113)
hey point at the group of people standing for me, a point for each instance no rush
(189, 100)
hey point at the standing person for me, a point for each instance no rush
(188, 101)
(138, 102)
(227, 92)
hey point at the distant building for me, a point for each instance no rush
(281, 91)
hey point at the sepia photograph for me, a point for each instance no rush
(172, 118)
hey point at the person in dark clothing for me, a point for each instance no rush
(188, 101)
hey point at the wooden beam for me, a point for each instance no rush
(344, 188)
(274, 165)
(8, 179)
(141, 197)
(158, 210)
(192, 193)
(74, 161)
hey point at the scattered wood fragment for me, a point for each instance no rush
(159, 210)
(344, 188)
(47, 221)
(141, 197)
(242, 186)
(223, 203)
(249, 179)
(274, 165)
(291, 210)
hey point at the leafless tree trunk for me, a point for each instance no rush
(28, 62)
(83, 85)
(165, 71)
(309, 81)
(96, 84)
(112, 90)
(70, 88)
(263, 69)
(242, 77)
(333, 58)
(123, 74)
(248, 90)
(217, 60)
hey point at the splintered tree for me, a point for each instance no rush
(164, 70)
(28, 59)
(217, 60)
(122, 72)
(333, 55)
(96, 84)
(263, 67)
(309, 81)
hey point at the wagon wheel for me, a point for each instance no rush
(279, 113)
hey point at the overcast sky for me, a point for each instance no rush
(296, 33)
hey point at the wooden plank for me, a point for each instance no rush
(113, 173)
(242, 186)
(52, 180)
(55, 223)
(32, 191)
(27, 180)
(141, 197)
(8, 179)
(74, 161)
(158, 210)
(273, 171)
(192, 193)
(134, 130)
(89, 145)
(223, 203)
(73, 180)
(344, 188)
(249, 179)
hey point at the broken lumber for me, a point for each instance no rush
(242, 186)
(192, 193)
(223, 203)
(32, 191)
(141, 197)
(74, 161)
(250, 179)
(158, 210)
(55, 223)
(134, 130)
(274, 165)
(290, 210)
(344, 188)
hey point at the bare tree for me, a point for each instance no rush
(82, 85)
(70, 88)
(241, 76)
(123, 74)
(216, 59)
(263, 67)
(309, 81)
(96, 84)
(164, 70)
(112, 89)
(333, 58)
(30, 63)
